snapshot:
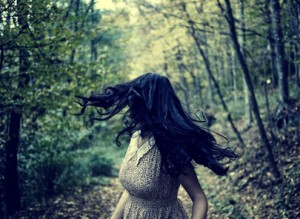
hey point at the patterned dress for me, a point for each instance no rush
(152, 193)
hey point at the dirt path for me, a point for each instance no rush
(249, 190)
(88, 203)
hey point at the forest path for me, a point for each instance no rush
(249, 190)
(87, 203)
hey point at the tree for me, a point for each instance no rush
(12, 190)
(37, 86)
(242, 40)
(281, 63)
(231, 24)
(208, 68)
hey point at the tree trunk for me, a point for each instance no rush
(73, 51)
(242, 40)
(94, 53)
(273, 61)
(183, 83)
(223, 70)
(262, 131)
(197, 92)
(210, 86)
(281, 63)
(271, 46)
(234, 75)
(266, 94)
(184, 86)
(294, 11)
(208, 68)
(12, 189)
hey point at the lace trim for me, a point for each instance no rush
(141, 151)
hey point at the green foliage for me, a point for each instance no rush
(51, 168)
(78, 50)
(100, 166)
(70, 52)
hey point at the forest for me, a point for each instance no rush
(235, 65)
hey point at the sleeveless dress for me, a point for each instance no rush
(152, 193)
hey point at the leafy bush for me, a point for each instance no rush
(55, 169)
(100, 165)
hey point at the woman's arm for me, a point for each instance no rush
(118, 213)
(190, 183)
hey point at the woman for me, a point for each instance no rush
(165, 141)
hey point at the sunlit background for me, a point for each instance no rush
(109, 4)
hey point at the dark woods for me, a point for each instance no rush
(237, 61)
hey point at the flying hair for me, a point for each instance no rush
(153, 107)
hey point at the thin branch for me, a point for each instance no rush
(69, 10)
(91, 5)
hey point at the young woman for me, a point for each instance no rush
(165, 143)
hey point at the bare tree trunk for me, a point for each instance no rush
(234, 75)
(273, 61)
(210, 86)
(12, 188)
(231, 23)
(281, 63)
(271, 46)
(197, 84)
(266, 94)
(242, 40)
(294, 11)
(7, 163)
(184, 86)
(73, 51)
(208, 68)
(223, 58)
(94, 53)
(197, 92)
(183, 83)
(223, 71)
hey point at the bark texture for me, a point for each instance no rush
(262, 131)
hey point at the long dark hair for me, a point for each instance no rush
(153, 107)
